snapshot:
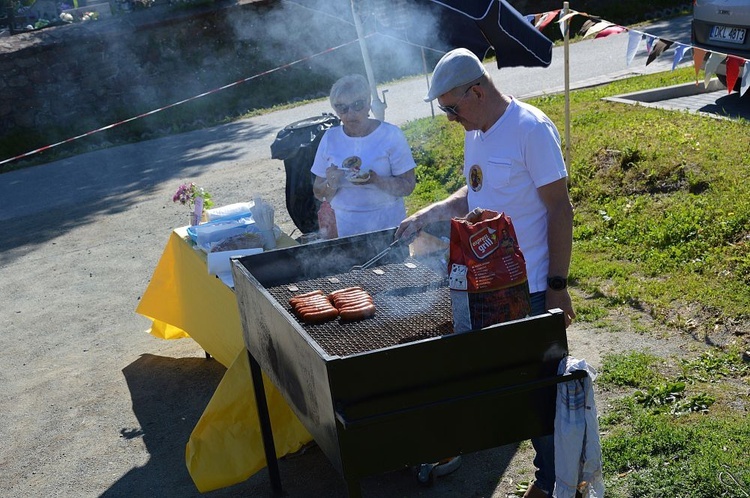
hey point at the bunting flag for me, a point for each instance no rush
(712, 63)
(541, 21)
(679, 53)
(569, 15)
(733, 71)
(612, 30)
(634, 41)
(659, 48)
(563, 21)
(702, 59)
(586, 25)
(698, 56)
(596, 28)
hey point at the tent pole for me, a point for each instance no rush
(427, 79)
(377, 106)
(566, 37)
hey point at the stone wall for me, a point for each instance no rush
(75, 77)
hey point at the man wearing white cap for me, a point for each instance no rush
(513, 164)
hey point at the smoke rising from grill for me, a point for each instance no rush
(158, 67)
(393, 29)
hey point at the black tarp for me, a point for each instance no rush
(477, 25)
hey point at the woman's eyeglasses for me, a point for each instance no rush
(355, 106)
(452, 110)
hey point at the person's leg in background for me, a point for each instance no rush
(544, 446)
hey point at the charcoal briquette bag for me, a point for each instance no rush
(487, 271)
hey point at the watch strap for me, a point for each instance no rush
(557, 283)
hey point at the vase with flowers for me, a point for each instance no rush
(196, 198)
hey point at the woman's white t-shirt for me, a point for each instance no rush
(365, 208)
(505, 166)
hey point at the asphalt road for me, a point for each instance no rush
(94, 406)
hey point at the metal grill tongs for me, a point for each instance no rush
(377, 257)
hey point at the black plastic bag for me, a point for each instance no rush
(296, 145)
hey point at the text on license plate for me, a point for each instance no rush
(727, 34)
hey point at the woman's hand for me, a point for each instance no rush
(373, 179)
(324, 188)
(334, 175)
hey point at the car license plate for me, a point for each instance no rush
(727, 34)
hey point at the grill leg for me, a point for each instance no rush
(265, 425)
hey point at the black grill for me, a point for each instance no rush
(397, 389)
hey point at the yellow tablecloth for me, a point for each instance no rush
(183, 300)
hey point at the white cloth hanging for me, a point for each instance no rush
(578, 453)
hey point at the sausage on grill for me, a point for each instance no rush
(320, 315)
(351, 304)
(357, 312)
(313, 307)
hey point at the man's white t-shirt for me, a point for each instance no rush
(505, 166)
(364, 208)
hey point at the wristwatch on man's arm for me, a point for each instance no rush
(557, 283)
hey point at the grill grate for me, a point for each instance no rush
(412, 303)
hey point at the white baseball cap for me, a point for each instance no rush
(458, 67)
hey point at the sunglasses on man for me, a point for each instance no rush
(355, 106)
(452, 110)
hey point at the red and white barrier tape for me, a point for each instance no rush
(149, 113)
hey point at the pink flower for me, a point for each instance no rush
(188, 192)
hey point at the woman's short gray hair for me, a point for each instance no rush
(354, 85)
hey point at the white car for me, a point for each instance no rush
(722, 26)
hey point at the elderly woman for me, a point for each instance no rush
(364, 167)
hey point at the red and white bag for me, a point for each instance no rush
(487, 271)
